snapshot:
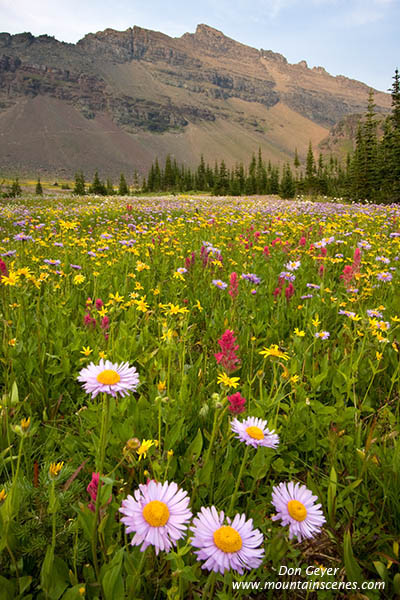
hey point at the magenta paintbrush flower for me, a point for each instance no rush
(227, 357)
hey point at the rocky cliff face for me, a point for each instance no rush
(148, 83)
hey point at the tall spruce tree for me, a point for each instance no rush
(39, 188)
(97, 186)
(123, 189)
(79, 188)
(287, 187)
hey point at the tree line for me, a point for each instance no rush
(370, 172)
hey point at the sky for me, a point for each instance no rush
(356, 38)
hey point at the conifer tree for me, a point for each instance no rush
(39, 188)
(136, 184)
(310, 169)
(15, 188)
(109, 187)
(123, 189)
(287, 187)
(97, 186)
(296, 160)
(79, 189)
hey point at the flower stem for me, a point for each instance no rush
(100, 463)
(239, 479)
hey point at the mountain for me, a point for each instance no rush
(115, 100)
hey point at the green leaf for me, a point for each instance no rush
(195, 448)
(396, 583)
(113, 583)
(353, 570)
(332, 496)
(14, 393)
(381, 569)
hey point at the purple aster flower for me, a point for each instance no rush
(251, 277)
(306, 297)
(22, 237)
(223, 547)
(314, 286)
(374, 314)
(287, 276)
(364, 244)
(75, 266)
(219, 284)
(109, 378)
(294, 504)
(383, 259)
(157, 514)
(323, 335)
(254, 432)
(385, 276)
(52, 262)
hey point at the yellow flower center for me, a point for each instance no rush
(227, 539)
(297, 510)
(255, 432)
(156, 513)
(108, 377)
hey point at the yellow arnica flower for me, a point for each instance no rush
(25, 424)
(299, 333)
(274, 351)
(79, 279)
(86, 350)
(144, 448)
(228, 381)
(3, 495)
(161, 385)
(54, 469)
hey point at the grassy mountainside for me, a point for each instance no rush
(115, 100)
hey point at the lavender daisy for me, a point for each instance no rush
(110, 378)
(322, 335)
(385, 276)
(224, 547)
(219, 284)
(157, 515)
(254, 432)
(295, 507)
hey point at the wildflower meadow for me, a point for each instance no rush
(195, 393)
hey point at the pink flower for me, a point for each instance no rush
(99, 303)
(88, 320)
(92, 491)
(356, 259)
(266, 251)
(302, 241)
(105, 323)
(236, 403)
(289, 291)
(347, 275)
(3, 268)
(233, 285)
(227, 357)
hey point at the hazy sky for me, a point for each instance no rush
(356, 38)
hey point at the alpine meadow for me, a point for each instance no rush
(200, 349)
